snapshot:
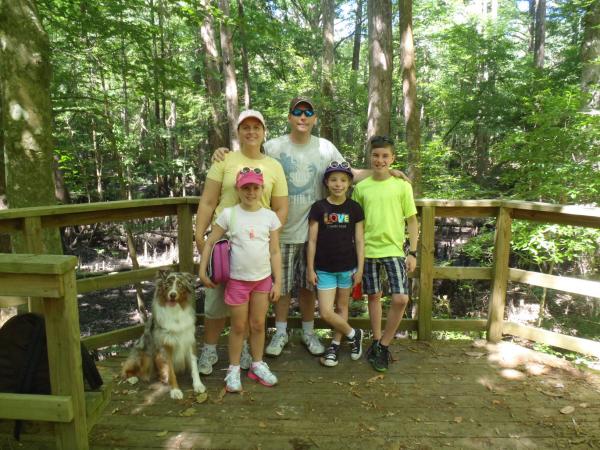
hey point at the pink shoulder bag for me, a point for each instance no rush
(220, 255)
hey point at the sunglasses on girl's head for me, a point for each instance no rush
(341, 165)
(256, 170)
(297, 112)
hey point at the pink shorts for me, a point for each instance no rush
(237, 292)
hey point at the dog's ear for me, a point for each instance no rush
(190, 279)
(162, 274)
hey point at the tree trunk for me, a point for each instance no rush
(27, 122)
(357, 36)
(217, 126)
(244, 52)
(540, 34)
(327, 101)
(531, 24)
(590, 54)
(231, 92)
(380, 67)
(4, 238)
(412, 120)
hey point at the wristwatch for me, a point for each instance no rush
(413, 253)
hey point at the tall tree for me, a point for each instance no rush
(379, 14)
(409, 92)
(244, 52)
(228, 60)
(217, 126)
(327, 115)
(27, 122)
(540, 34)
(590, 56)
(357, 36)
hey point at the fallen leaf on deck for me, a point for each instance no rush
(375, 378)
(161, 433)
(279, 413)
(583, 405)
(188, 412)
(262, 425)
(458, 419)
(115, 411)
(551, 394)
(201, 398)
(371, 428)
(567, 410)
(132, 380)
(475, 354)
(352, 383)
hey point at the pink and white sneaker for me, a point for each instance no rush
(259, 371)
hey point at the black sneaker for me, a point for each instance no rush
(369, 351)
(330, 358)
(380, 358)
(356, 344)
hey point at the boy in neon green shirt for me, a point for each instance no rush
(387, 202)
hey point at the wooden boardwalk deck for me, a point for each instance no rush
(436, 395)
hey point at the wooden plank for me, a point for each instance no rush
(567, 284)
(500, 275)
(117, 279)
(30, 285)
(47, 408)
(466, 211)
(444, 203)
(64, 355)
(458, 324)
(112, 215)
(113, 337)
(462, 273)
(585, 346)
(10, 225)
(557, 217)
(36, 263)
(426, 272)
(185, 238)
(8, 301)
(95, 402)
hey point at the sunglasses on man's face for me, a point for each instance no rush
(256, 170)
(297, 112)
(340, 165)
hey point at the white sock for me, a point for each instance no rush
(281, 327)
(336, 342)
(351, 334)
(210, 347)
(256, 363)
(232, 367)
(308, 327)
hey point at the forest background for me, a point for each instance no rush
(485, 98)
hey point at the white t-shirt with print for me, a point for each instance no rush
(304, 166)
(249, 233)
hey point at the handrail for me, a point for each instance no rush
(31, 221)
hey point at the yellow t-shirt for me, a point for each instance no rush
(387, 204)
(225, 171)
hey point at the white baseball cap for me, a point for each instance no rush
(247, 114)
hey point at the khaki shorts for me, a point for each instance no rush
(214, 303)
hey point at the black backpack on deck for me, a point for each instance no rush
(24, 359)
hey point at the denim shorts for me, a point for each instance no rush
(333, 280)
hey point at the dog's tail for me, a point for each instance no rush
(139, 362)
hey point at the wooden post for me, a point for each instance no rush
(33, 240)
(499, 275)
(426, 272)
(64, 355)
(185, 238)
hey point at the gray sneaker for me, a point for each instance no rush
(313, 344)
(275, 347)
(246, 357)
(206, 361)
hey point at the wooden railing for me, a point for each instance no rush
(51, 278)
(31, 221)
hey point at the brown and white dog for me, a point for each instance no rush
(168, 345)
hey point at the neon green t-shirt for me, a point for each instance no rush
(225, 172)
(387, 204)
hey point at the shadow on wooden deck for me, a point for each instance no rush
(441, 394)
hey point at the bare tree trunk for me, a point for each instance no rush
(531, 25)
(244, 52)
(590, 54)
(327, 115)
(540, 34)
(231, 91)
(357, 36)
(5, 246)
(380, 67)
(217, 127)
(27, 122)
(412, 120)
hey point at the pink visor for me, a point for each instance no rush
(249, 176)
